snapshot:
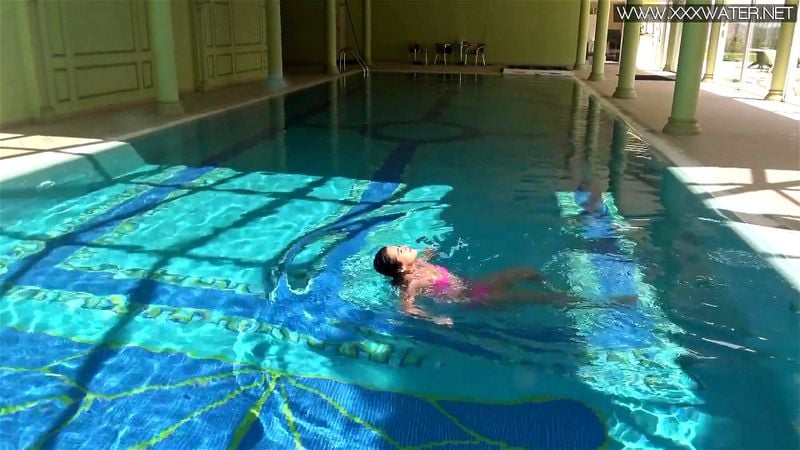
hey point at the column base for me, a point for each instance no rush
(276, 82)
(580, 66)
(170, 109)
(774, 95)
(682, 127)
(595, 76)
(333, 70)
(47, 114)
(708, 77)
(624, 93)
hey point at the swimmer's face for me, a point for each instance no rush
(403, 254)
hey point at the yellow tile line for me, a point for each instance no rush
(466, 429)
(198, 381)
(66, 399)
(85, 406)
(252, 415)
(44, 370)
(287, 413)
(344, 412)
(169, 431)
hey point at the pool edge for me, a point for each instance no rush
(755, 233)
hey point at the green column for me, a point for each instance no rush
(162, 42)
(782, 54)
(330, 32)
(627, 60)
(687, 80)
(32, 61)
(274, 46)
(368, 31)
(713, 46)
(672, 40)
(600, 41)
(583, 35)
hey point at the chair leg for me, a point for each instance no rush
(483, 58)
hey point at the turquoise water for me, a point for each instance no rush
(211, 286)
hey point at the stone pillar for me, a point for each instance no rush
(782, 62)
(672, 41)
(32, 61)
(368, 31)
(162, 42)
(583, 35)
(600, 41)
(627, 60)
(330, 33)
(713, 48)
(687, 80)
(274, 46)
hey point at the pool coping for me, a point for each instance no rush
(756, 233)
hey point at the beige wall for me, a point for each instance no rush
(303, 26)
(535, 32)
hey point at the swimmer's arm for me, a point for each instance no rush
(410, 308)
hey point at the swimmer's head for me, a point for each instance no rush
(392, 261)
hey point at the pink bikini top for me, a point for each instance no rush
(443, 285)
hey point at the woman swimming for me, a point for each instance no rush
(414, 275)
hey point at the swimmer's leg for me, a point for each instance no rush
(506, 297)
(503, 280)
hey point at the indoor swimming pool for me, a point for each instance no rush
(211, 285)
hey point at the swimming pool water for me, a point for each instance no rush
(215, 288)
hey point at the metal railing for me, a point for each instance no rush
(341, 63)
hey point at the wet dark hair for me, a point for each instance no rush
(388, 266)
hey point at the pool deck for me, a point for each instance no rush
(745, 163)
(126, 122)
(491, 69)
(29, 147)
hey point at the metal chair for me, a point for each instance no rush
(444, 49)
(415, 49)
(479, 51)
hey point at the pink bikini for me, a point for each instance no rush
(443, 287)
